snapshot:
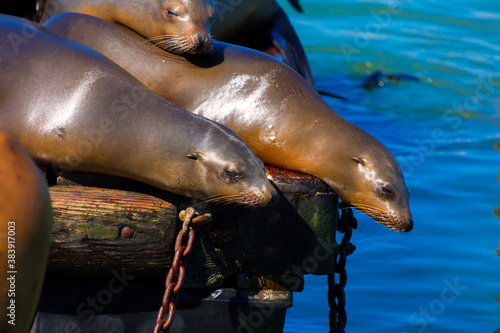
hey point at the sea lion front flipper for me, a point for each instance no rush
(330, 94)
(295, 4)
(285, 39)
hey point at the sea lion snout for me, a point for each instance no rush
(256, 199)
(397, 219)
(396, 222)
(253, 190)
(265, 197)
(203, 41)
(189, 24)
(200, 43)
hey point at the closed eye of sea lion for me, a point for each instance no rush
(177, 26)
(70, 106)
(274, 110)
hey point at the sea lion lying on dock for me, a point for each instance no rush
(274, 110)
(69, 106)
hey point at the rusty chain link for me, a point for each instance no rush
(177, 271)
(336, 294)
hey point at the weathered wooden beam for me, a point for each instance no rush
(104, 223)
(87, 232)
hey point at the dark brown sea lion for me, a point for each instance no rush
(262, 25)
(378, 78)
(178, 26)
(25, 231)
(274, 110)
(70, 106)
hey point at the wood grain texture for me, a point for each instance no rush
(294, 237)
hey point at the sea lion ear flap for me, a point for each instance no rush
(193, 156)
(358, 160)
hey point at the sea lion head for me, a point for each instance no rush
(185, 27)
(229, 171)
(374, 184)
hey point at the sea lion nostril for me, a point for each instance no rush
(409, 226)
(399, 224)
(201, 39)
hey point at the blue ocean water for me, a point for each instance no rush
(444, 276)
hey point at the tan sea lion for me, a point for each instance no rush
(184, 26)
(25, 231)
(274, 110)
(70, 106)
(177, 26)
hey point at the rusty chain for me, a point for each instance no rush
(177, 271)
(336, 294)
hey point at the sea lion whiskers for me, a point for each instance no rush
(357, 210)
(387, 218)
(254, 199)
(235, 199)
(164, 40)
(363, 207)
(179, 44)
(160, 37)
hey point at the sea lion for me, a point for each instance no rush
(262, 25)
(177, 26)
(377, 79)
(70, 106)
(272, 108)
(26, 228)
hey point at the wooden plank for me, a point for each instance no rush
(87, 231)
(288, 240)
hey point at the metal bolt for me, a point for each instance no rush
(127, 233)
